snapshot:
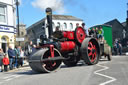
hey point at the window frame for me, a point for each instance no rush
(71, 26)
(4, 14)
(65, 25)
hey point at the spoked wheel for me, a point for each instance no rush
(90, 51)
(45, 66)
(79, 35)
(71, 62)
(51, 65)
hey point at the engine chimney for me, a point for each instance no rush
(49, 21)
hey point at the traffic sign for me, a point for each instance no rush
(19, 39)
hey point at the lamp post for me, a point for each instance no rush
(17, 7)
(127, 17)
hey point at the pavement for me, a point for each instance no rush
(25, 66)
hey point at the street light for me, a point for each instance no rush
(17, 7)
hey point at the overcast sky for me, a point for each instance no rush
(93, 12)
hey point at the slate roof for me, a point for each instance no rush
(124, 24)
(65, 17)
(112, 22)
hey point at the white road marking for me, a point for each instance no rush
(1, 82)
(8, 78)
(104, 68)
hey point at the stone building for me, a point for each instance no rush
(126, 29)
(66, 23)
(117, 29)
(7, 23)
(22, 35)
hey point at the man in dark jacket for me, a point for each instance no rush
(11, 54)
(28, 48)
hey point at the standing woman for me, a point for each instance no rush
(1, 58)
(21, 57)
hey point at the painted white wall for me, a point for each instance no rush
(62, 25)
(10, 14)
(10, 2)
(68, 24)
(10, 21)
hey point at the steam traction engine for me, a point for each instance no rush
(63, 46)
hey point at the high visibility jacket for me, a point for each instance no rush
(5, 61)
(100, 32)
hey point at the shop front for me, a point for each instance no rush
(6, 37)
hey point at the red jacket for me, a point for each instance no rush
(5, 61)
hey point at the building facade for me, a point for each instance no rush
(117, 29)
(7, 23)
(64, 22)
(22, 35)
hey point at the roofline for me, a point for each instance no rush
(67, 15)
(116, 20)
(52, 19)
(102, 25)
(35, 23)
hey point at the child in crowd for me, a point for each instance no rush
(5, 62)
(1, 58)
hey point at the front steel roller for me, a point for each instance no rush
(90, 51)
(39, 61)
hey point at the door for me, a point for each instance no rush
(4, 44)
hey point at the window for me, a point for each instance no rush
(53, 25)
(71, 26)
(58, 24)
(22, 33)
(3, 39)
(2, 14)
(65, 26)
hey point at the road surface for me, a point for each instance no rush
(113, 72)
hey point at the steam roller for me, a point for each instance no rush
(68, 47)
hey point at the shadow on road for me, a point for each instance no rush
(28, 72)
(31, 72)
(78, 65)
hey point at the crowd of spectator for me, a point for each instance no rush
(96, 33)
(14, 58)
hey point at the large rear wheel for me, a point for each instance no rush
(90, 51)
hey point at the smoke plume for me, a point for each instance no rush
(56, 5)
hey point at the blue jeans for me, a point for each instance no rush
(11, 60)
(100, 36)
(15, 63)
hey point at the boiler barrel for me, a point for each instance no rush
(67, 45)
